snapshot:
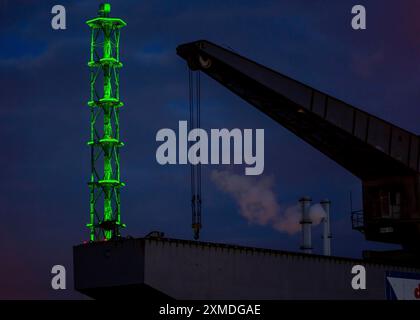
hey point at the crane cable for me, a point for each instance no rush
(195, 170)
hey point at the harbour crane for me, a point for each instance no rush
(382, 155)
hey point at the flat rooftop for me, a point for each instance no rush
(184, 269)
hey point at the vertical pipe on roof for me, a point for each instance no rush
(327, 227)
(306, 222)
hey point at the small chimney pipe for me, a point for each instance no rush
(327, 227)
(306, 222)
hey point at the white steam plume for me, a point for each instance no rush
(258, 204)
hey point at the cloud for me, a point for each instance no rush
(367, 64)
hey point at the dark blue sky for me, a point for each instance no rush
(44, 119)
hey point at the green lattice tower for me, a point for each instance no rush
(105, 211)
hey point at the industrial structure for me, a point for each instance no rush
(383, 156)
(105, 213)
(306, 222)
(184, 269)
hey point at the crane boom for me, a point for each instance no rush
(384, 156)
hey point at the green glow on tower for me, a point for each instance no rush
(105, 207)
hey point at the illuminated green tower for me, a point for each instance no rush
(105, 212)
